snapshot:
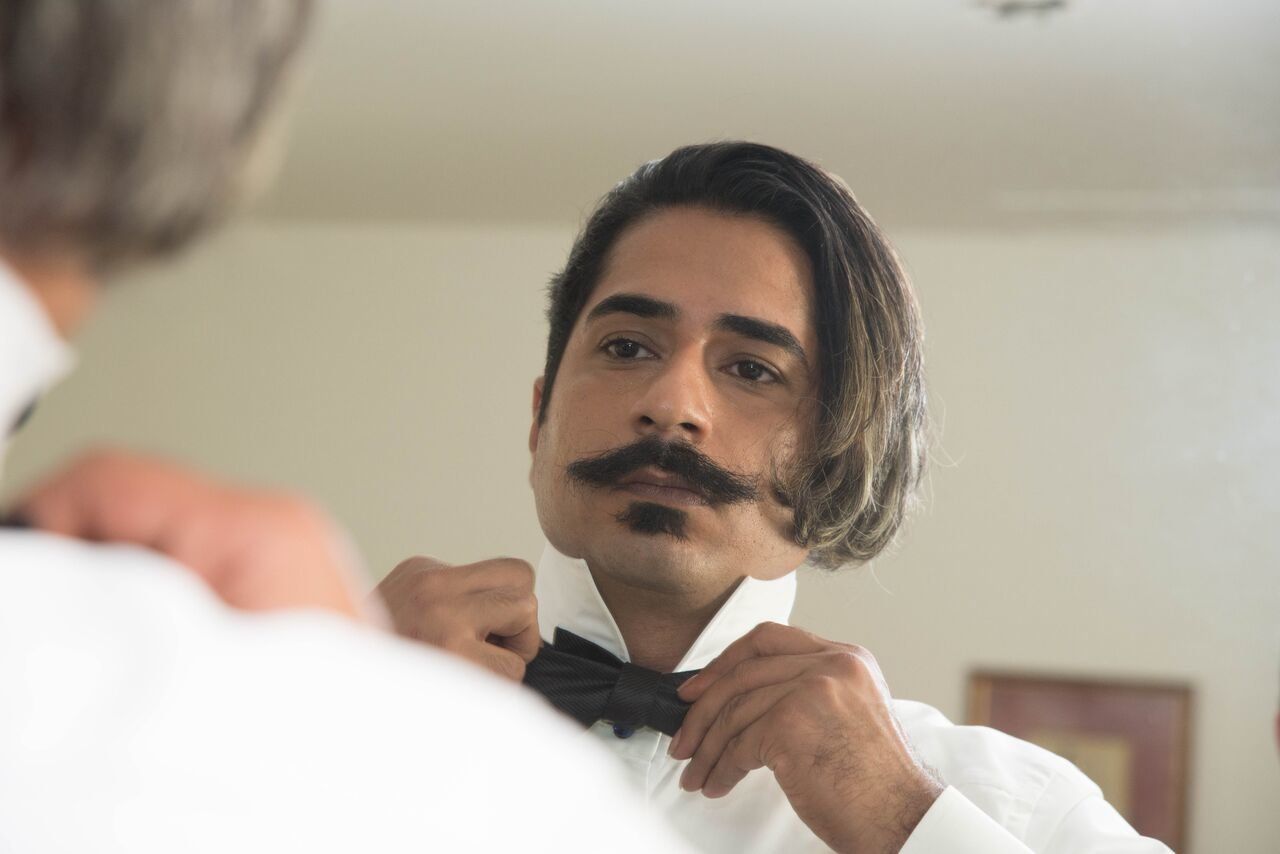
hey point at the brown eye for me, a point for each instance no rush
(754, 372)
(625, 348)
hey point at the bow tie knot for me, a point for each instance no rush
(589, 683)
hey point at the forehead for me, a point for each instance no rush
(709, 263)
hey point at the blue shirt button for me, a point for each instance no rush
(623, 731)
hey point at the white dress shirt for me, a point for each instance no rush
(1003, 795)
(138, 714)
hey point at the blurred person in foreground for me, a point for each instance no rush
(734, 385)
(139, 712)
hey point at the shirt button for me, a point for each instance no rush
(623, 731)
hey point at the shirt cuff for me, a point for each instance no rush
(953, 825)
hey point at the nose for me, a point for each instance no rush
(676, 402)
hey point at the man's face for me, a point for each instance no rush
(697, 343)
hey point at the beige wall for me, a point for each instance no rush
(1104, 502)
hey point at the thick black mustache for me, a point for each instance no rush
(717, 484)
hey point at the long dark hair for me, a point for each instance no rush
(856, 472)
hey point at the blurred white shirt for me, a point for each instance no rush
(1003, 796)
(138, 714)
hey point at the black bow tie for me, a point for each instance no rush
(589, 684)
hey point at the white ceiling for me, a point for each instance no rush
(938, 112)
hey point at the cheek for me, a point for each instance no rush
(773, 459)
(764, 446)
(767, 545)
(597, 419)
(559, 445)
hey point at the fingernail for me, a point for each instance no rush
(675, 744)
(683, 690)
(684, 781)
(711, 790)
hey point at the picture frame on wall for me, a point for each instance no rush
(1132, 738)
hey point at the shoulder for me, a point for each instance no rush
(130, 610)
(122, 631)
(129, 677)
(1015, 782)
(49, 584)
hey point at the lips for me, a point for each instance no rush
(660, 485)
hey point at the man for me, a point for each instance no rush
(733, 386)
(139, 713)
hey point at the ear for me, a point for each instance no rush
(538, 385)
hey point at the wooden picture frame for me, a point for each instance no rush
(1132, 738)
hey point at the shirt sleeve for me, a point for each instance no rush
(953, 825)
(1093, 825)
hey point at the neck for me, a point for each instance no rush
(62, 285)
(658, 627)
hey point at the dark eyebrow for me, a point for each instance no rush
(762, 330)
(641, 306)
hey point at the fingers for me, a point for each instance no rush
(64, 506)
(715, 702)
(264, 550)
(256, 549)
(46, 512)
(490, 603)
(743, 754)
(527, 642)
(750, 698)
(497, 573)
(764, 640)
(494, 658)
(510, 615)
(432, 579)
(114, 496)
(737, 716)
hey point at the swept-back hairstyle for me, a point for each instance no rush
(855, 474)
(127, 127)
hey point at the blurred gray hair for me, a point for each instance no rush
(129, 126)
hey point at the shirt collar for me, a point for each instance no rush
(32, 355)
(567, 597)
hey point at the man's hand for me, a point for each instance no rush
(816, 713)
(258, 550)
(484, 612)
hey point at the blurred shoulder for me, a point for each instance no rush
(125, 675)
(118, 601)
(46, 580)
